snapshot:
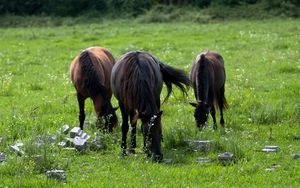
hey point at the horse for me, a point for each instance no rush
(208, 81)
(90, 75)
(136, 81)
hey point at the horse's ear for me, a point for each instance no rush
(160, 113)
(193, 104)
(116, 108)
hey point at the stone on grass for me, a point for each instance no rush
(80, 143)
(296, 156)
(225, 158)
(65, 129)
(271, 149)
(16, 150)
(167, 161)
(50, 139)
(62, 144)
(76, 131)
(203, 160)
(59, 175)
(201, 145)
(2, 157)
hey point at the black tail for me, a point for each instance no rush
(93, 82)
(174, 76)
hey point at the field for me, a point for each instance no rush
(262, 61)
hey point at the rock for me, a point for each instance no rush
(271, 149)
(296, 156)
(16, 150)
(2, 157)
(225, 158)
(50, 139)
(201, 145)
(85, 136)
(62, 144)
(203, 160)
(80, 144)
(57, 174)
(168, 161)
(65, 129)
(76, 131)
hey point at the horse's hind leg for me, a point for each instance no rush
(213, 115)
(125, 128)
(221, 106)
(80, 100)
(133, 132)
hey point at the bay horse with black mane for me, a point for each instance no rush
(137, 81)
(90, 75)
(208, 81)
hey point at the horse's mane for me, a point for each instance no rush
(93, 83)
(137, 92)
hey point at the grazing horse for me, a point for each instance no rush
(208, 81)
(90, 75)
(137, 81)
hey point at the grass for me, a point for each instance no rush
(262, 88)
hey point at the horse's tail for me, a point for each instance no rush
(174, 76)
(92, 83)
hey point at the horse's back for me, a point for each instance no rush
(102, 62)
(131, 68)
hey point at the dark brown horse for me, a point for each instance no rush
(136, 81)
(90, 74)
(208, 81)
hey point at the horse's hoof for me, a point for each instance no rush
(157, 158)
(124, 153)
(131, 151)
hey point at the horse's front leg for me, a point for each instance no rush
(125, 128)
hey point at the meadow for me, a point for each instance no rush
(262, 62)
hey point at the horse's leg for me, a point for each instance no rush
(133, 132)
(81, 117)
(97, 102)
(221, 106)
(125, 127)
(213, 115)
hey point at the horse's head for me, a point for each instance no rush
(152, 132)
(201, 113)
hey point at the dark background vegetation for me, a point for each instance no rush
(135, 8)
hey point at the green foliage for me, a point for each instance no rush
(262, 88)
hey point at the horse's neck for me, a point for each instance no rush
(203, 84)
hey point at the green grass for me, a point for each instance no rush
(262, 88)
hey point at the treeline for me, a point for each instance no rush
(121, 7)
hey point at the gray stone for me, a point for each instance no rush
(65, 129)
(225, 158)
(16, 150)
(79, 143)
(271, 149)
(40, 143)
(296, 156)
(62, 144)
(69, 142)
(2, 157)
(201, 145)
(85, 136)
(76, 131)
(57, 174)
(50, 139)
(168, 161)
(203, 160)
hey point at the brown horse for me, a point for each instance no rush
(208, 81)
(90, 75)
(136, 81)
